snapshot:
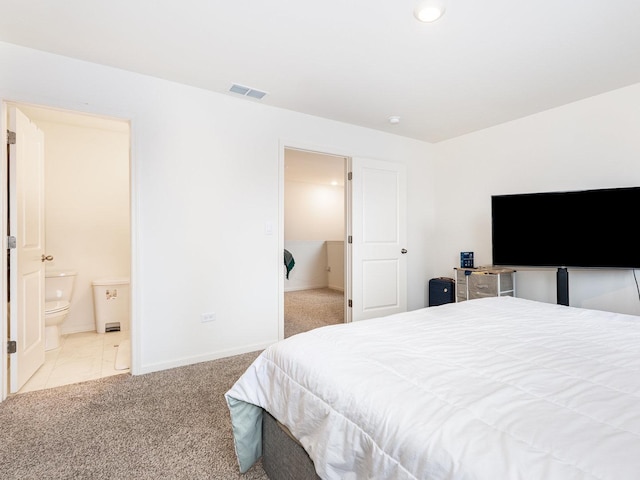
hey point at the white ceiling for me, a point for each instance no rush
(356, 61)
(312, 167)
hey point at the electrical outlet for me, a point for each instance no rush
(208, 317)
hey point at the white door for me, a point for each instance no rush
(378, 230)
(26, 224)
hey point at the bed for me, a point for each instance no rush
(493, 388)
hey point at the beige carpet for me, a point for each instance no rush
(308, 309)
(172, 424)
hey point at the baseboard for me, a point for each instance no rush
(305, 287)
(184, 361)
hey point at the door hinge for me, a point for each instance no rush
(350, 303)
(350, 176)
(11, 242)
(11, 137)
(12, 347)
(349, 239)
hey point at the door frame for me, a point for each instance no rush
(321, 150)
(133, 208)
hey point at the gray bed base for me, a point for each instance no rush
(283, 458)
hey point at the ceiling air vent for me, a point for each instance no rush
(247, 92)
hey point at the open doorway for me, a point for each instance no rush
(86, 204)
(314, 235)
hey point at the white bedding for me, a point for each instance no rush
(496, 388)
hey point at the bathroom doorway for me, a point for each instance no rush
(314, 234)
(87, 230)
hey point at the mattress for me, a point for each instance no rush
(493, 388)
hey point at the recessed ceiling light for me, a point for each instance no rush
(394, 120)
(429, 10)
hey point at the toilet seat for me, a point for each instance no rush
(55, 307)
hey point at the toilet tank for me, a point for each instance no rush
(58, 285)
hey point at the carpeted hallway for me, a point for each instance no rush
(308, 309)
(172, 424)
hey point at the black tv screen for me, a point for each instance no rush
(588, 228)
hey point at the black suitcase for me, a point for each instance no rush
(441, 290)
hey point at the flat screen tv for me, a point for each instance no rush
(587, 228)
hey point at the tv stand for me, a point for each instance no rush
(562, 286)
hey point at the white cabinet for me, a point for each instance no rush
(484, 282)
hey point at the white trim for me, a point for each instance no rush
(185, 361)
(280, 251)
(348, 251)
(134, 299)
(4, 325)
(306, 287)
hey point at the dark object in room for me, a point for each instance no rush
(441, 290)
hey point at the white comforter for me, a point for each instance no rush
(497, 388)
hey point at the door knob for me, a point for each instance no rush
(403, 251)
(46, 258)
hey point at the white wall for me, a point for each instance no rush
(86, 209)
(318, 264)
(313, 212)
(310, 269)
(204, 184)
(313, 215)
(594, 143)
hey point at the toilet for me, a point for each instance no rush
(58, 289)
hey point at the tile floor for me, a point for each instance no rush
(80, 357)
